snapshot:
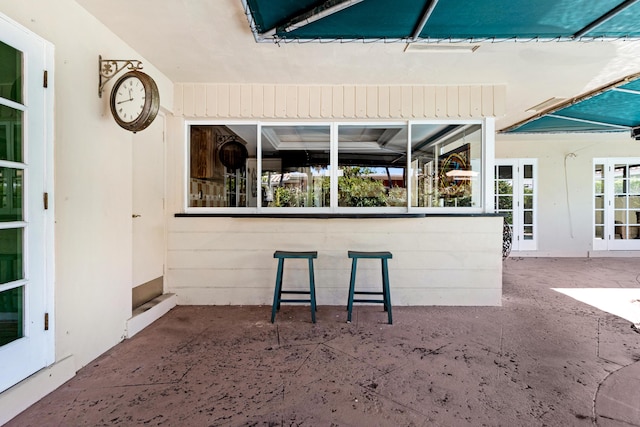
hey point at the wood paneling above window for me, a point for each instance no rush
(338, 102)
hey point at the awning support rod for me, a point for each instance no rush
(423, 21)
(604, 18)
(329, 7)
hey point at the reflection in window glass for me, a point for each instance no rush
(446, 165)
(371, 165)
(295, 166)
(223, 166)
(11, 315)
(10, 73)
(10, 194)
(10, 134)
(10, 255)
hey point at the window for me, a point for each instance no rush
(616, 204)
(335, 167)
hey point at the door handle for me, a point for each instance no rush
(135, 216)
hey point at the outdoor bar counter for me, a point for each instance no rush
(438, 259)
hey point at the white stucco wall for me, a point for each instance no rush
(93, 189)
(565, 185)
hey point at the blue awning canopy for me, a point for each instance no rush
(615, 107)
(612, 108)
(440, 20)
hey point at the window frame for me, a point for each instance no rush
(485, 182)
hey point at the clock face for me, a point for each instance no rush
(129, 99)
(135, 101)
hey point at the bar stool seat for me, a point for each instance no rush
(386, 295)
(277, 295)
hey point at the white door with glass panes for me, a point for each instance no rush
(616, 204)
(516, 198)
(25, 226)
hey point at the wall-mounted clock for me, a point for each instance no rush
(135, 101)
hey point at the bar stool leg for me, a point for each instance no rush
(312, 291)
(352, 285)
(277, 293)
(387, 293)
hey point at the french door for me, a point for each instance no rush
(616, 204)
(516, 198)
(25, 225)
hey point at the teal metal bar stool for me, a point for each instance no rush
(386, 295)
(277, 295)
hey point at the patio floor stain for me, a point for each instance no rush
(542, 359)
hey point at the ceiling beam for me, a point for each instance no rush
(431, 4)
(329, 7)
(604, 18)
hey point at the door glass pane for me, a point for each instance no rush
(295, 166)
(505, 172)
(10, 194)
(528, 232)
(505, 203)
(10, 255)
(10, 134)
(528, 171)
(528, 202)
(599, 232)
(11, 315)
(10, 73)
(527, 217)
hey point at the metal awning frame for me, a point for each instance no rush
(330, 7)
(551, 111)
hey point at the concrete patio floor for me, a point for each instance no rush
(542, 359)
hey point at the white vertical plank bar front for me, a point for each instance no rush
(372, 102)
(383, 101)
(200, 100)
(487, 101)
(212, 101)
(430, 101)
(326, 102)
(407, 101)
(292, 101)
(395, 101)
(178, 101)
(463, 101)
(314, 101)
(245, 101)
(441, 101)
(475, 101)
(338, 101)
(349, 101)
(361, 101)
(303, 102)
(452, 101)
(189, 101)
(234, 100)
(499, 97)
(223, 100)
(257, 101)
(269, 101)
(417, 100)
(281, 101)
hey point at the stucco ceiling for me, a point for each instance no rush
(211, 41)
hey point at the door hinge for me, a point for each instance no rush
(45, 79)
(46, 321)
(45, 200)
